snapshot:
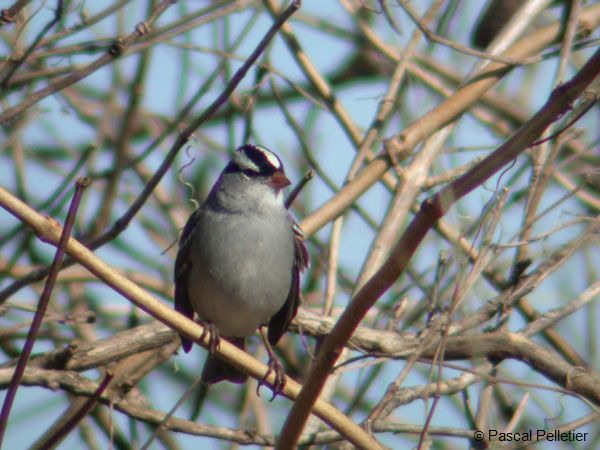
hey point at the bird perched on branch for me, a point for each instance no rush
(239, 261)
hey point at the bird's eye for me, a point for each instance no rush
(249, 173)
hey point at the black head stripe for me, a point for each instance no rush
(267, 162)
(232, 167)
(254, 160)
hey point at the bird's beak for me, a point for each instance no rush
(278, 181)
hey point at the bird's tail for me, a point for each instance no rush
(216, 370)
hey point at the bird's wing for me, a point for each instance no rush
(280, 322)
(182, 273)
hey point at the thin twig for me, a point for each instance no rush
(10, 71)
(298, 188)
(81, 184)
(116, 50)
(7, 15)
(80, 414)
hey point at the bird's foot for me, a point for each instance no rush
(279, 382)
(214, 338)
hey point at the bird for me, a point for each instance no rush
(239, 262)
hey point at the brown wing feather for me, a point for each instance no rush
(182, 272)
(280, 322)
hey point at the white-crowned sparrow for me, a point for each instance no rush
(239, 261)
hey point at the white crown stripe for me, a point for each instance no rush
(271, 157)
(244, 161)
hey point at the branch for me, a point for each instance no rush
(116, 50)
(431, 211)
(65, 234)
(447, 111)
(50, 233)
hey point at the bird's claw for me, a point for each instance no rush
(279, 383)
(214, 338)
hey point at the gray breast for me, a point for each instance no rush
(241, 272)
